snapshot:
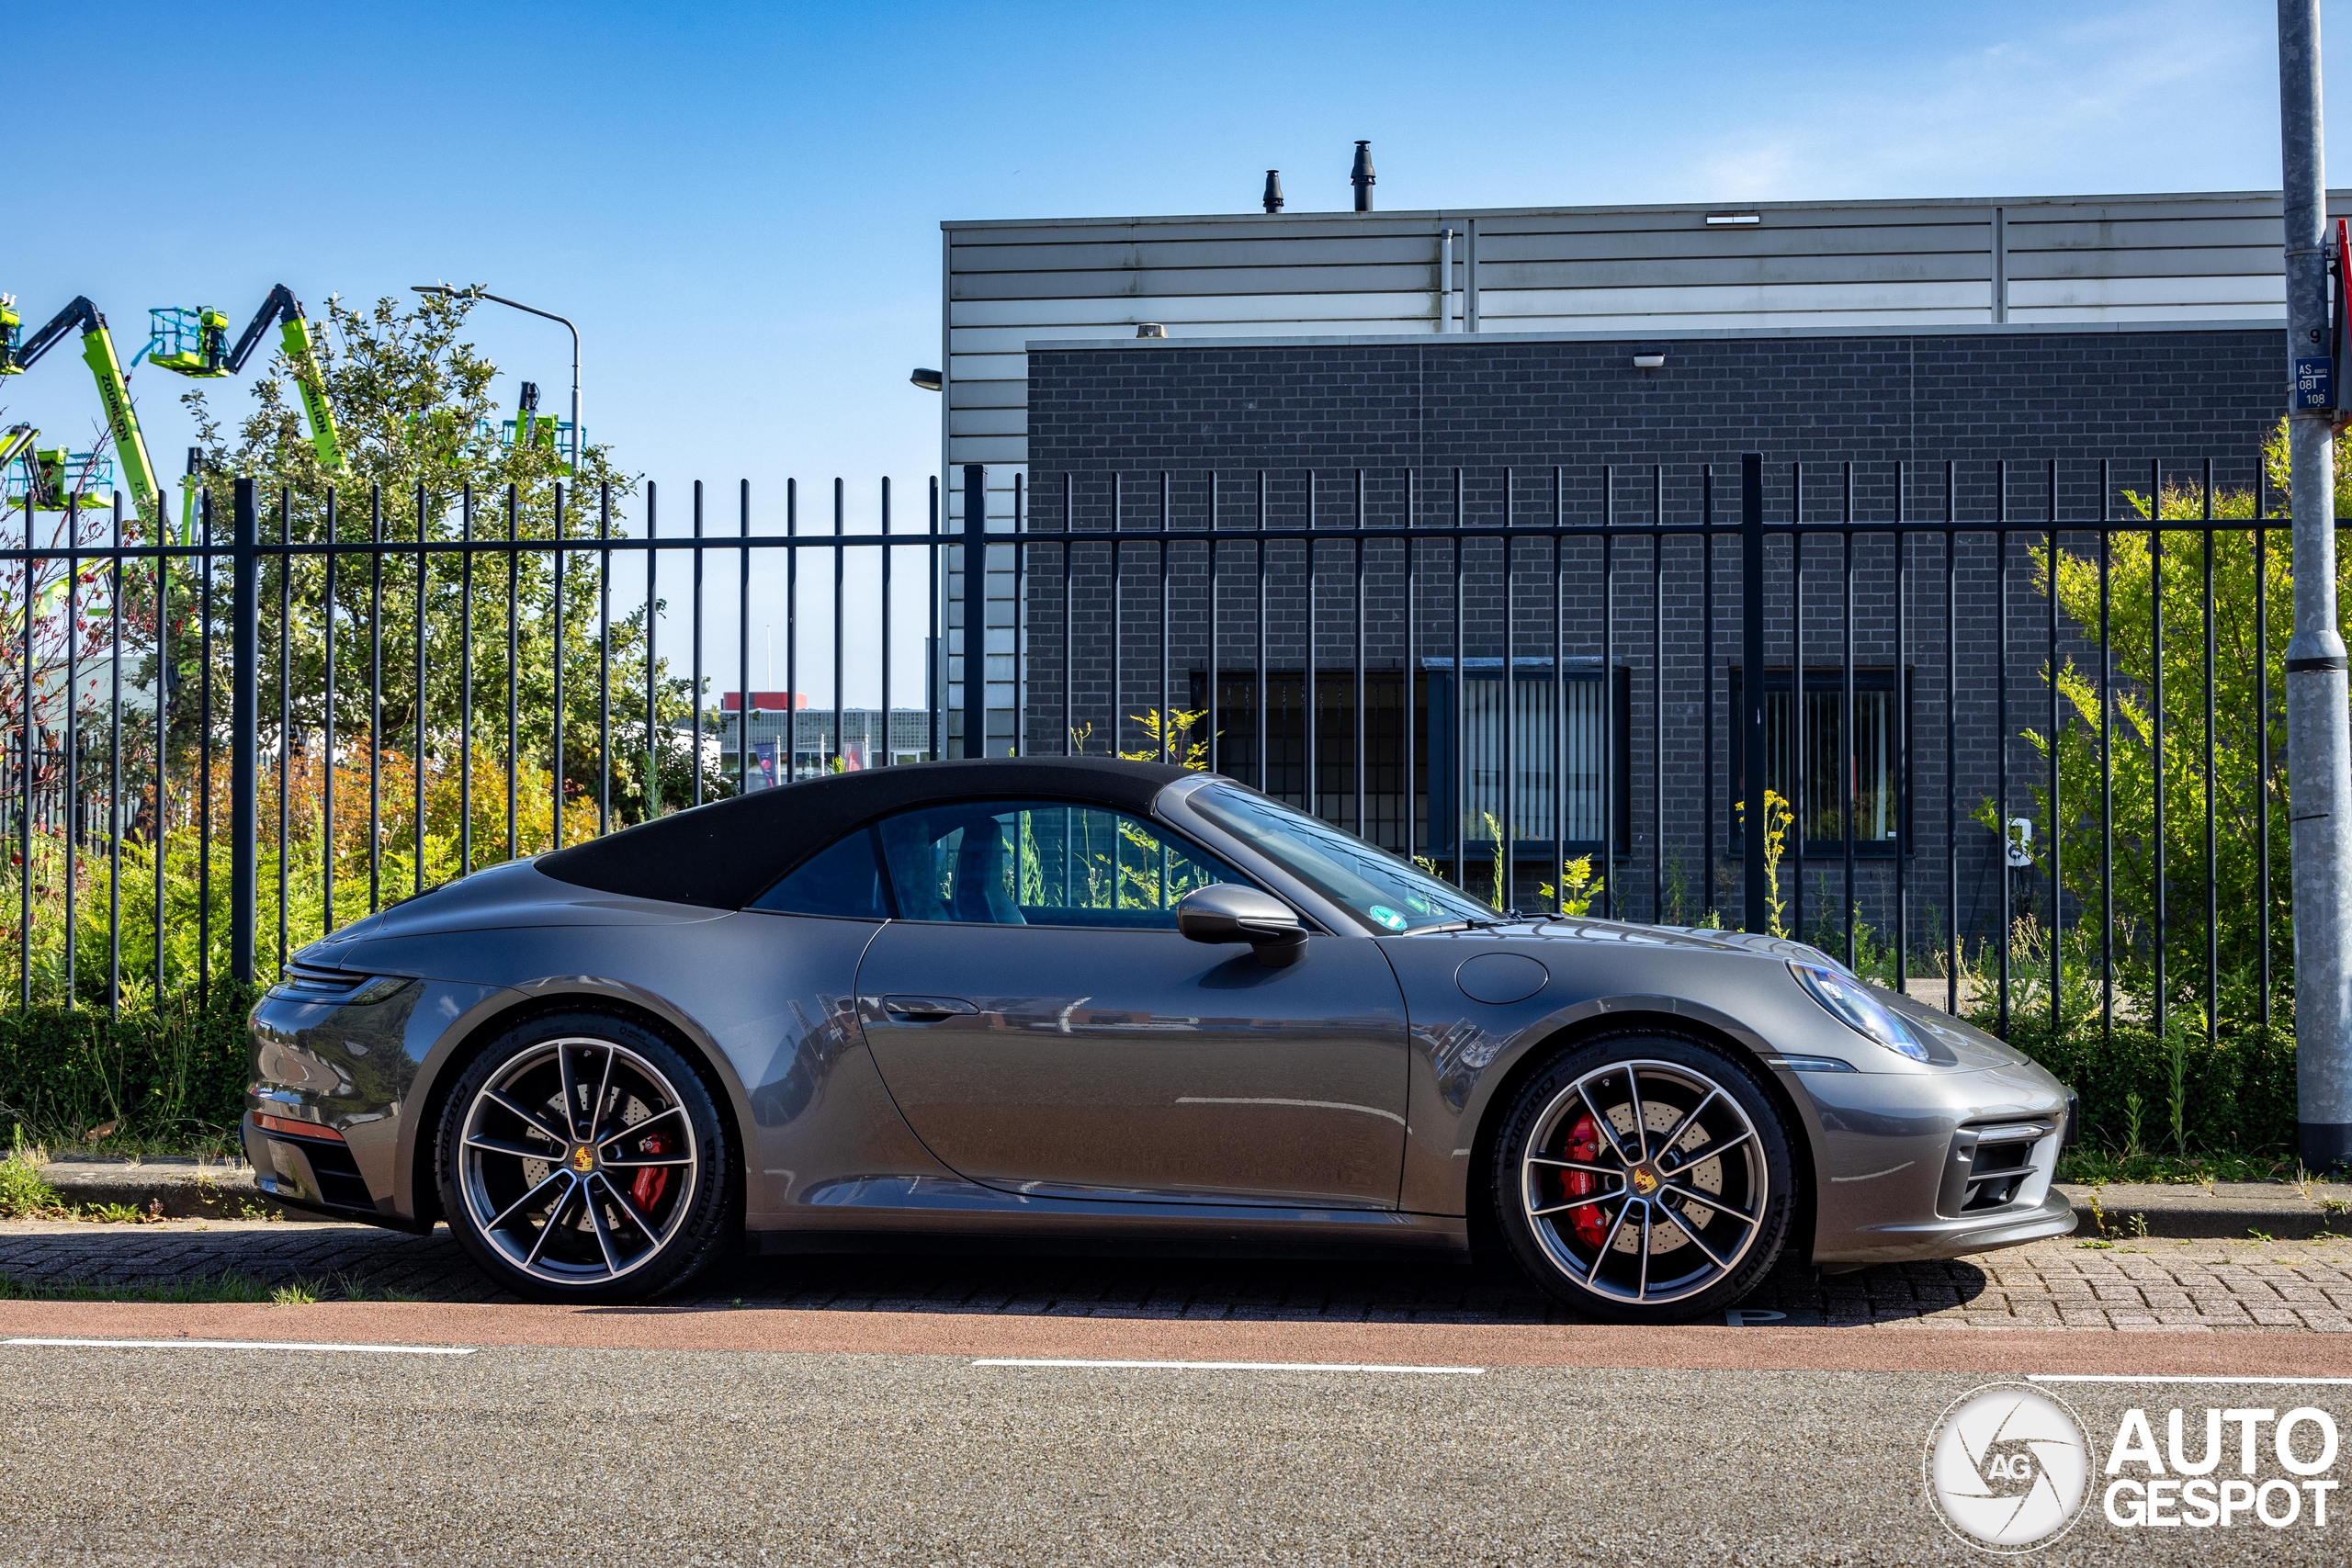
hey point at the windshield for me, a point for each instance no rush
(1385, 893)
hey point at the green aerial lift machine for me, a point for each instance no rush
(195, 343)
(19, 354)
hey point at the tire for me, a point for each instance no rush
(634, 1204)
(1713, 1194)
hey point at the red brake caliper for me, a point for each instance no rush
(647, 1190)
(1584, 1146)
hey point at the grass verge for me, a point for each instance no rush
(2100, 1168)
(228, 1285)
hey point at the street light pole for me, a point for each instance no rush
(2318, 733)
(444, 290)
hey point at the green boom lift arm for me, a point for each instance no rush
(18, 354)
(210, 356)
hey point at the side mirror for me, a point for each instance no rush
(1226, 911)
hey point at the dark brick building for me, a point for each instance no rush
(1525, 431)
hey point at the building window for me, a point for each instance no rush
(1870, 767)
(1283, 775)
(1388, 814)
(1547, 778)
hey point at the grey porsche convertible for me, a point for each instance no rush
(1080, 1004)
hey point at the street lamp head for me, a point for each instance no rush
(929, 380)
(444, 290)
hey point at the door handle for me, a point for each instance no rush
(926, 1009)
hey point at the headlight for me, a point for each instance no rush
(1851, 1002)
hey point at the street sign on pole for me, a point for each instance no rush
(2319, 732)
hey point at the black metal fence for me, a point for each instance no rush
(1982, 768)
(2017, 722)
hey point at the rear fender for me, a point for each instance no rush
(417, 1195)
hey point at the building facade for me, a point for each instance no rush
(789, 739)
(1557, 365)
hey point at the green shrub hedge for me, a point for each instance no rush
(170, 1075)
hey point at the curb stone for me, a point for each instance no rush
(2226, 1210)
(173, 1187)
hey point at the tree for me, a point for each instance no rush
(428, 461)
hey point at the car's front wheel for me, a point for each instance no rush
(1643, 1178)
(581, 1159)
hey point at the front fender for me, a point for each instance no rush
(1463, 1051)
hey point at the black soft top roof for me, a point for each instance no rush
(725, 854)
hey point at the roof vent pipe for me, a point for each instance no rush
(1273, 197)
(1362, 176)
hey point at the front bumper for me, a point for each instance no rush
(1935, 1165)
(2012, 1226)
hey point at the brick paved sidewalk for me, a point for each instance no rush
(2151, 1285)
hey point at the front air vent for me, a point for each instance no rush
(1992, 1164)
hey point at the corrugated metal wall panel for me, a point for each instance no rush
(1825, 321)
(2094, 292)
(1745, 299)
(1805, 266)
(1826, 266)
(1093, 315)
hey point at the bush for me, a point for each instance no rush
(172, 1075)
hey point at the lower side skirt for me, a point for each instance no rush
(1432, 1236)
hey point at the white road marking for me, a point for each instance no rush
(2135, 1377)
(1243, 1366)
(243, 1345)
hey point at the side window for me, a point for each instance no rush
(844, 879)
(1038, 864)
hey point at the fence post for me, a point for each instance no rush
(1756, 889)
(245, 648)
(976, 610)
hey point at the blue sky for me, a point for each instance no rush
(739, 203)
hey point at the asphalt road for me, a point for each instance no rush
(539, 1454)
(825, 1411)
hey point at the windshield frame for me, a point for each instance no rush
(1459, 909)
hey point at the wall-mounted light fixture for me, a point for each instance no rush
(1151, 329)
(1728, 219)
(1649, 361)
(927, 379)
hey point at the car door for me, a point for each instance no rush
(1044, 1026)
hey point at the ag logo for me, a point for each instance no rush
(1645, 1181)
(583, 1159)
(2007, 1467)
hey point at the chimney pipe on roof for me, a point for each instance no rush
(1362, 176)
(1274, 198)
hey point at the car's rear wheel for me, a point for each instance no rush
(581, 1159)
(1643, 1178)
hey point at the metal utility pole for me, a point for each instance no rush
(2319, 735)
